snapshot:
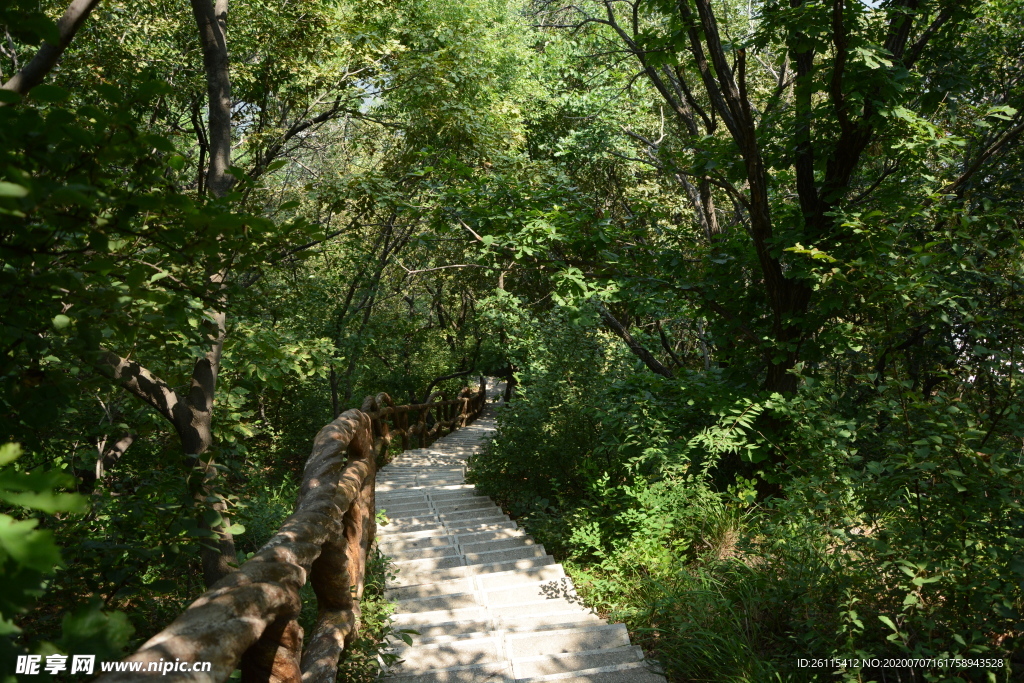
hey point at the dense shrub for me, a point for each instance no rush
(892, 542)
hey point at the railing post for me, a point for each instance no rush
(274, 658)
(404, 422)
(248, 619)
(337, 575)
(421, 425)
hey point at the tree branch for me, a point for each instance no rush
(652, 363)
(35, 71)
(141, 383)
(957, 186)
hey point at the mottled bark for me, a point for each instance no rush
(191, 416)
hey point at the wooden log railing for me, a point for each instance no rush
(249, 619)
(434, 418)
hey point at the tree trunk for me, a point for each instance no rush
(106, 458)
(335, 405)
(191, 415)
(195, 427)
(212, 23)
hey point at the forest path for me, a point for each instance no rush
(488, 602)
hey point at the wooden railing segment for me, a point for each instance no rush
(433, 418)
(249, 619)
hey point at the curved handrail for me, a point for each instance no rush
(249, 619)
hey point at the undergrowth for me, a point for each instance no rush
(893, 531)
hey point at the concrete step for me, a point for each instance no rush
(410, 577)
(426, 657)
(496, 672)
(434, 603)
(456, 519)
(413, 485)
(473, 514)
(445, 475)
(424, 553)
(421, 621)
(449, 630)
(550, 622)
(550, 610)
(492, 556)
(437, 496)
(387, 544)
(465, 539)
(398, 529)
(466, 628)
(597, 637)
(431, 633)
(555, 608)
(403, 468)
(382, 499)
(407, 511)
(426, 461)
(429, 500)
(449, 550)
(480, 648)
(439, 525)
(398, 492)
(409, 523)
(638, 672)
(454, 497)
(431, 564)
(487, 557)
(394, 534)
(487, 601)
(533, 593)
(543, 665)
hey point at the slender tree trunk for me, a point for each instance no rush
(195, 426)
(211, 20)
(106, 458)
(335, 408)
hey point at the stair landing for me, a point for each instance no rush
(489, 603)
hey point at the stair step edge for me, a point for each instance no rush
(624, 649)
(587, 672)
(507, 572)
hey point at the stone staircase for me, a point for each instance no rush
(488, 602)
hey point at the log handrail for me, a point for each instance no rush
(249, 619)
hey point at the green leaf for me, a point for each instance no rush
(48, 93)
(90, 629)
(61, 321)
(27, 545)
(9, 452)
(888, 622)
(11, 189)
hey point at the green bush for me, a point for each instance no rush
(894, 537)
